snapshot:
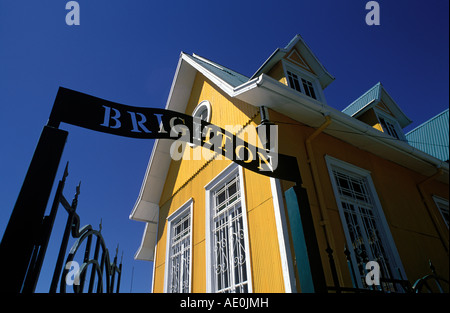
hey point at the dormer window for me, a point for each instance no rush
(302, 80)
(377, 109)
(390, 126)
(301, 84)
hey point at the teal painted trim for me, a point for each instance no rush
(300, 249)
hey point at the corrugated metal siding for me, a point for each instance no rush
(432, 136)
(372, 94)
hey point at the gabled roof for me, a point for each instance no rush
(432, 136)
(325, 78)
(371, 98)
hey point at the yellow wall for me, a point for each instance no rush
(186, 179)
(277, 72)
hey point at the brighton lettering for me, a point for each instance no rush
(138, 121)
(217, 142)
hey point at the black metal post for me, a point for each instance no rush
(62, 251)
(333, 269)
(18, 241)
(93, 270)
(119, 275)
(47, 227)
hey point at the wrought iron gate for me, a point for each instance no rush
(103, 271)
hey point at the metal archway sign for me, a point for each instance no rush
(97, 114)
(101, 115)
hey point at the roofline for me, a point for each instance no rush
(362, 95)
(427, 121)
(266, 62)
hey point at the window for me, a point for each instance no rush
(390, 126)
(309, 89)
(366, 230)
(178, 252)
(228, 268)
(294, 81)
(301, 84)
(442, 205)
(203, 111)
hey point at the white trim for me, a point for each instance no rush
(287, 265)
(209, 189)
(187, 206)
(245, 222)
(439, 200)
(391, 250)
(204, 103)
(294, 51)
(153, 274)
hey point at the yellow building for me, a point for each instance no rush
(214, 226)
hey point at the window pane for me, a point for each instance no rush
(309, 89)
(229, 255)
(179, 255)
(362, 224)
(389, 128)
(294, 81)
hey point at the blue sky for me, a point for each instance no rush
(127, 52)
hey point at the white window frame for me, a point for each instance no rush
(197, 129)
(391, 120)
(186, 208)
(385, 233)
(301, 73)
(439, 202)
(204, 104)
(212, 186)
